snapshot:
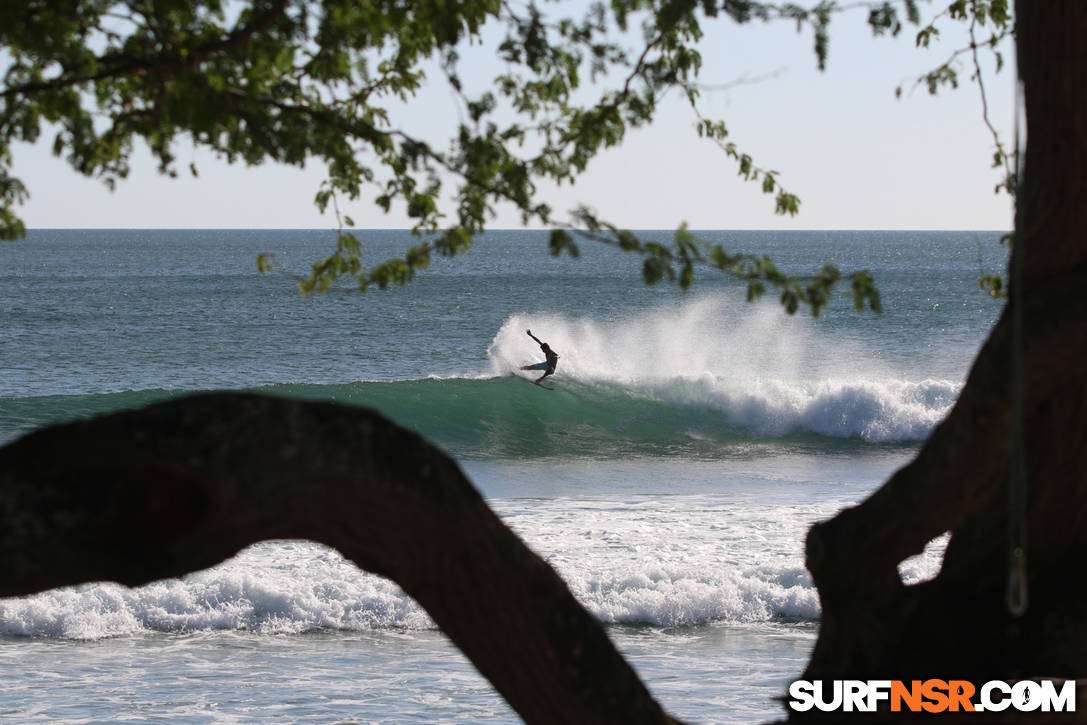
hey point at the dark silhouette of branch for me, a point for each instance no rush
(179, 486)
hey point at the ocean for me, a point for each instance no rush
(670, 475)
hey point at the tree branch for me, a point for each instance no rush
(121, 64)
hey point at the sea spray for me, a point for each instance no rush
(708, 335)
(737, 367)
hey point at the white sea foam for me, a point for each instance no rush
(665, 561)
(679, 561)
(648, 592)
(660, 561)
(271, 588)
(764, 371)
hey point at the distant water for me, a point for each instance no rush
(669, 477)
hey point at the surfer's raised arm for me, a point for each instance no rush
(534, 337)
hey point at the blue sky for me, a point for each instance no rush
(857, 157)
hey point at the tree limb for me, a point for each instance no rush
(122, 64)
(179, 486)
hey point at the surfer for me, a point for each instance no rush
(548, 365)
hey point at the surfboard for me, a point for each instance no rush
(530, 380)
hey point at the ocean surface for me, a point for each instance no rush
(670, 476)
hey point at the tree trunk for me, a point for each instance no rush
(180, 486)
(959, 624)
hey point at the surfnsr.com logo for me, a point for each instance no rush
(932, 696)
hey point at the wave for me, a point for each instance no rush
(20, 415)
(508, 417)
(692, 381)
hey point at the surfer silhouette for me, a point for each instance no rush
(548, 365)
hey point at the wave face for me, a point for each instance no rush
(712, 370)
(690, 382)
(509, 417)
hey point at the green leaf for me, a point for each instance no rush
(560, 241)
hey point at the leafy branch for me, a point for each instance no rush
(569, 136)
(994, 16)
(291, 81)
(678, 262)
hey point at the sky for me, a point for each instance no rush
(857, 157)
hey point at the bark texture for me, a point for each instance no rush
(958, 625)
(180, 486)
